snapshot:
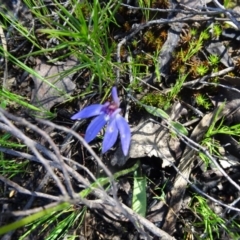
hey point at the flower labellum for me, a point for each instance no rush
(108, 113)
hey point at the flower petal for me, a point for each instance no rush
(90, 111)
(110, 136)
(95, 126)
(115, 96)
(125, 133)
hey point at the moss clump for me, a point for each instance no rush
(154, 99)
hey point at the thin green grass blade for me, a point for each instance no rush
(62, 228)
(11, 97)
(33, 217)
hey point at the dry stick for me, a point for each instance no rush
(80, 166)
(52, 144)
(149, 225)
(234, 202)
(27, 206)
(37, 145)
(72, 172)
(76, 176)
(231, 219)
(211, 75)
(83, 142)
(192, 185)
(195, 110)
(32, 145)
(68, 138)
(100, 163)
(93, 204)
(128, 212)
(96, 192)
(233, 19)
(198, 148)
(26, 191)
(180, 183)
(187, 12)
(113, 202)
(221, 85)
(26, 155)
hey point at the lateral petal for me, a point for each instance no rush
(90, 111)
(95, 126)
(125, 133)
(110, 136)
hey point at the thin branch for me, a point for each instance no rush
(115, 200)
(52, 144)
(71, 171)
(84, 143)
(32, 145)
(178, 10)
(20, 189)
(228, 14)
(202, 80)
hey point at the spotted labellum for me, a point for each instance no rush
(108, 113)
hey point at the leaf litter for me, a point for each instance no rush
(54, 89)
(152, 140)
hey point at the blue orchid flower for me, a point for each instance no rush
(108, 113)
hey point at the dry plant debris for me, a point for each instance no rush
(46, 94)
(178, 57)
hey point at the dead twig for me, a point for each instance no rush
(20, 189)
(32, 146)
(52, 144)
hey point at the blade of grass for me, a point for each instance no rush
(33, 217)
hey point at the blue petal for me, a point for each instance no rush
(90, 111)
(125, 133)
(115, 96)
(110, 136)
(95, 126)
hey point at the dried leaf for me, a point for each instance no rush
(152, 139)
(44, 95)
